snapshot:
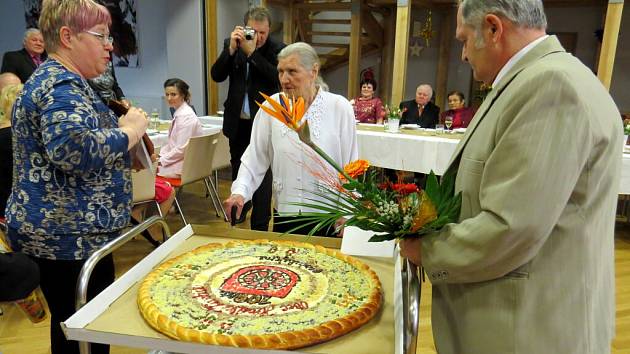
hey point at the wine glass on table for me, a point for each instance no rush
(155, 118)
(448, 122)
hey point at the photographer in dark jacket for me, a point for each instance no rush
(249, 60)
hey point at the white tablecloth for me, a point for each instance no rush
(406, 152)
(213, 120)
(160, 139)
(426, 153)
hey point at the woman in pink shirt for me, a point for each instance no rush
(185, 125)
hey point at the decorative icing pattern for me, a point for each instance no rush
(258, 288)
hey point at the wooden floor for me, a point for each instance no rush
(18, 335)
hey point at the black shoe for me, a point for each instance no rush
(244, 212)
(146, 233)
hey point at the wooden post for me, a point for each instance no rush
(354, 57)
(444, 56)
(211, 54)
(609, 44)
(387, 58)
(288, 33)
(403, 13)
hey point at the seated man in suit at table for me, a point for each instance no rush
(24, 61)
(421, 110)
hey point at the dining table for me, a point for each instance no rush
(159, 133)
(411, 148)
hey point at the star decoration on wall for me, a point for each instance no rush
(415, 49)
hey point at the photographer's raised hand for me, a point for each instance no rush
(236, 38)
(249, 46)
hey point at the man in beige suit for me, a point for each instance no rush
(529, 267)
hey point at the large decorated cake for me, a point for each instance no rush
(259, 294)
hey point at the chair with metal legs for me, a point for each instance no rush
(198, 165)
(143, 187)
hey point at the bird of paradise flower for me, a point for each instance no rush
(394, 210)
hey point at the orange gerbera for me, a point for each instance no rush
(288, 111)
(355, 168)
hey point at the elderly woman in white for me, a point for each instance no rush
(331, 121)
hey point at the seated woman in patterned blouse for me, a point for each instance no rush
(72, 187)
(367, 108)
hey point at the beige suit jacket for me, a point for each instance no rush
(529, 267)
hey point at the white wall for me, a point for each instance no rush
(184, 48)
(143, 85)
(582, 20)
(12, 25)
(229, 14)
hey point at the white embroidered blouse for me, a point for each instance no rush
(294, 165)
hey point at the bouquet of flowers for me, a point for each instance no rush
(393, 112)
(390, 210)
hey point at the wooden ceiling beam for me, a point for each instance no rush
(609, 43)
(399, 80)
(354, 53)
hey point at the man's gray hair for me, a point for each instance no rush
(523, 13)
(308, 56)
(427, 86)
(29, 32)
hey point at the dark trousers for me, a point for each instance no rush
(295, 221)
(261, 200)
(58, 283)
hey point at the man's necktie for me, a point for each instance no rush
(246, 99)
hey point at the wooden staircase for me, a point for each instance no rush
(327, 26)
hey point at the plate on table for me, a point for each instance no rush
(370, 124)
(410, 126)
(459, 130)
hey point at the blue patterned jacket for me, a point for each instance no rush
(71, 179)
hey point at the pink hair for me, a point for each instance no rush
(79, 15)
(92, 15)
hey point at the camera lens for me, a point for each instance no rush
(249, 33)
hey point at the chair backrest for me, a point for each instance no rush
(198, 157)
(221, 157)
(143, 184)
